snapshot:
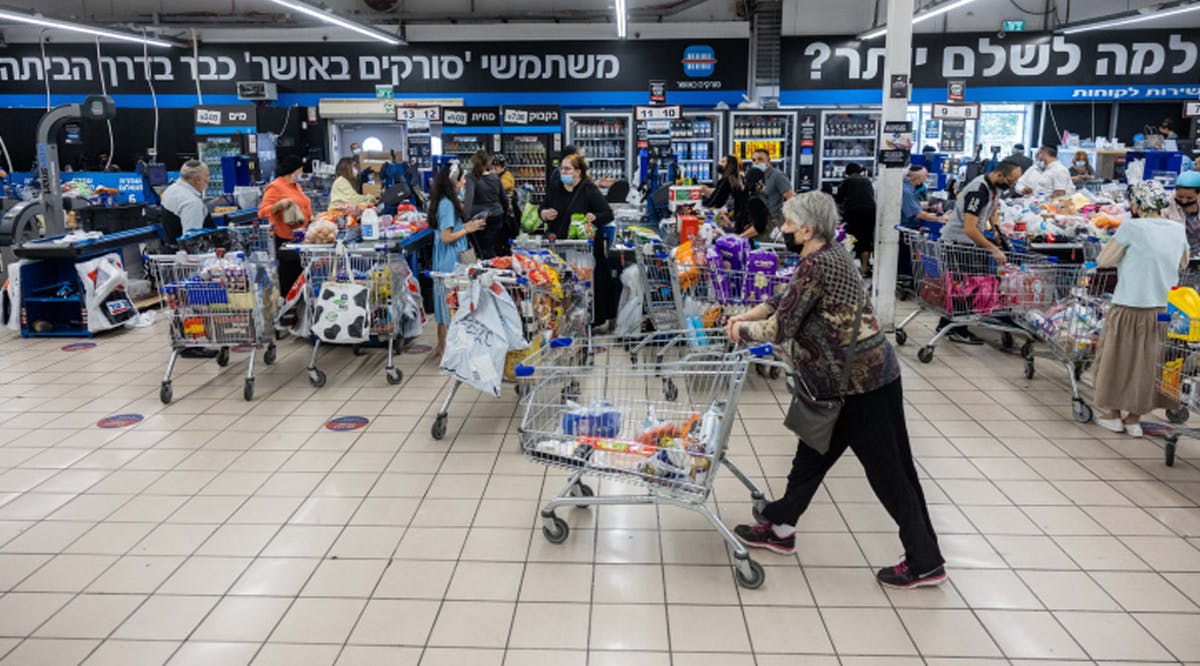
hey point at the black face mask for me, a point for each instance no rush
(1003, 185)
(1184, 204)
(789, 240)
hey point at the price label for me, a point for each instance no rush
(1191, 109)
(673, 112)
(418, 113)
(747, 148)
(955, 111)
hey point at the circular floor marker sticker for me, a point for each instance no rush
(418, 349)
(119, 421)
(79, 346)
(343, 423)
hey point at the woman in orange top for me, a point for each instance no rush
(283, 193)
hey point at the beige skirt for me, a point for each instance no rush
(1127, 361)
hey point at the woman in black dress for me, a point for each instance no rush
(856, 196)
(732, 184)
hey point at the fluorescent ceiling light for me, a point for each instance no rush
(34, 19)
(1149, 15)
(330, 17)
(621, 19)
(922, 16)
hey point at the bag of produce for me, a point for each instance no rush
(321, 232)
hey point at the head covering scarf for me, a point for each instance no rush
(1148, 196)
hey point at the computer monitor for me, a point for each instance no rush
(156, 175)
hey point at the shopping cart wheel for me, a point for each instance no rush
(1169, 452)
(1081, 412)
(223, 357)
(316, 378)
(358, 350)
(248, 389)
(165, 393)
(394, 376)
(753, 576)
(269, 355)
(1027, 349)
(1029, 370)
(583, 490)
(925, 354)
(670, 391)
(1006, 340)
(556, 530)
(759, 370)
(774, 373)
(1178, 415)
(438, 430)
(901, 336)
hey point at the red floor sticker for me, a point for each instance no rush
(344, 423)
(79, 346)
(119, 421)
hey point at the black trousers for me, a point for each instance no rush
(289, 266)
(872, 425)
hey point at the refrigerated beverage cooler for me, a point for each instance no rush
(773, 131)
(696, 145)
(528, 158)
(607, 141)
(847, 137)
(463, 146)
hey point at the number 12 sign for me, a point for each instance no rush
(955, 111)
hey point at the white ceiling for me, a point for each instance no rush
(221, 20)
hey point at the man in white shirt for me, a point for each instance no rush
(184, 199)
(1049, 177)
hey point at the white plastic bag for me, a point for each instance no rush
(103, 280)
(485, 328)
(629, 314)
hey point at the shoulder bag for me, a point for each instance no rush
(812, 419)
(340, 312)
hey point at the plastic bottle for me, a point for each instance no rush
(370, 225)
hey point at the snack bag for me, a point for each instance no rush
(580, 228)
(734, 252)
(760, 269)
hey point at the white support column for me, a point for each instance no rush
(887, 240)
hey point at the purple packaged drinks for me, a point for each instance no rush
(719, 276)
(733, 252)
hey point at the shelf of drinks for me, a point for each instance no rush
(848, 158)
(599, 138)
(864, 137)
(606, 159)
(759, 138)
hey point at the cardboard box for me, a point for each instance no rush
(371, 189)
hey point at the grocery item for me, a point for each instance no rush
(321, 232)
(760, 268)
(1183, 311)
(599, 419)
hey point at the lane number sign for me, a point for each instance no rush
(955, 111)
(418, 113)
(673, 112)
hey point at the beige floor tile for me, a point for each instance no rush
(415, 579)
(845, 587)
(709, 585)
(1112, 636)
(275, 576)
(1144, 592)
(1032, 552)
(948, 633)
(628, 658)
(248, 619)
(370, 655)
(564, 582)
(550, 626)
(472, 624)
(132, 653)
(486, 581)
(787, 630)
(312, 620)
(516, 657)
(886, 635)
(90, 616)
(67, 573)
(135, 574)
(994, 589)
(628, 583)
(1100, 553)
(395, 622)
(624, 627)
(285, 654)
(454, 656)
(1030, 635)
(708, 628)
(1176, 632)
(344, 578)
(1068, 590)
(200, 653)
(1165, 553)
(49, 652)
(205, 575)
(166, 617)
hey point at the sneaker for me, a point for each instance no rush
(1115, 425)
(1133, 429)
(762, 536)
(964, 337)
(900, 577)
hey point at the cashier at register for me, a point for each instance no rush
(1049, 176)
(912, 213)
(185, 197)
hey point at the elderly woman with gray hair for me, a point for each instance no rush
(1148, 251)
(813, 321)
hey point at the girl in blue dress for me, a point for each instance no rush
(448, 217)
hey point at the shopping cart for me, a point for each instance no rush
(217, 301)
(1062, 306)
(245, 238)
(384, 270)
(961, 283)
(1180, 376)
(707, 294)
(664, 427)
(576, 265)
(654, 263)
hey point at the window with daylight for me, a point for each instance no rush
(372, 144)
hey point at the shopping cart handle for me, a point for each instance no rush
(763, 350)
(523, 370)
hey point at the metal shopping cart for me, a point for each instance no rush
(654, 263)
(709, 293)
(217, 301)
(245, 238)
(1180, 375)
(662, 426)
(383, 268)
(962, 284)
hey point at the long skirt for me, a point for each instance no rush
(1127, 361)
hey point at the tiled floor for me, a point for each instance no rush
(222, 532)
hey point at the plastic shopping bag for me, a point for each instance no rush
(480, 338)
(629, 312)
(340, 313)
(531, 221)
(104, 280)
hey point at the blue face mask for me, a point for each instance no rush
(761, 166)
(1080, 163)
(921, 190)
(462, 194)
(567, 178)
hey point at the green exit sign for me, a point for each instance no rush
(1014, 26)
